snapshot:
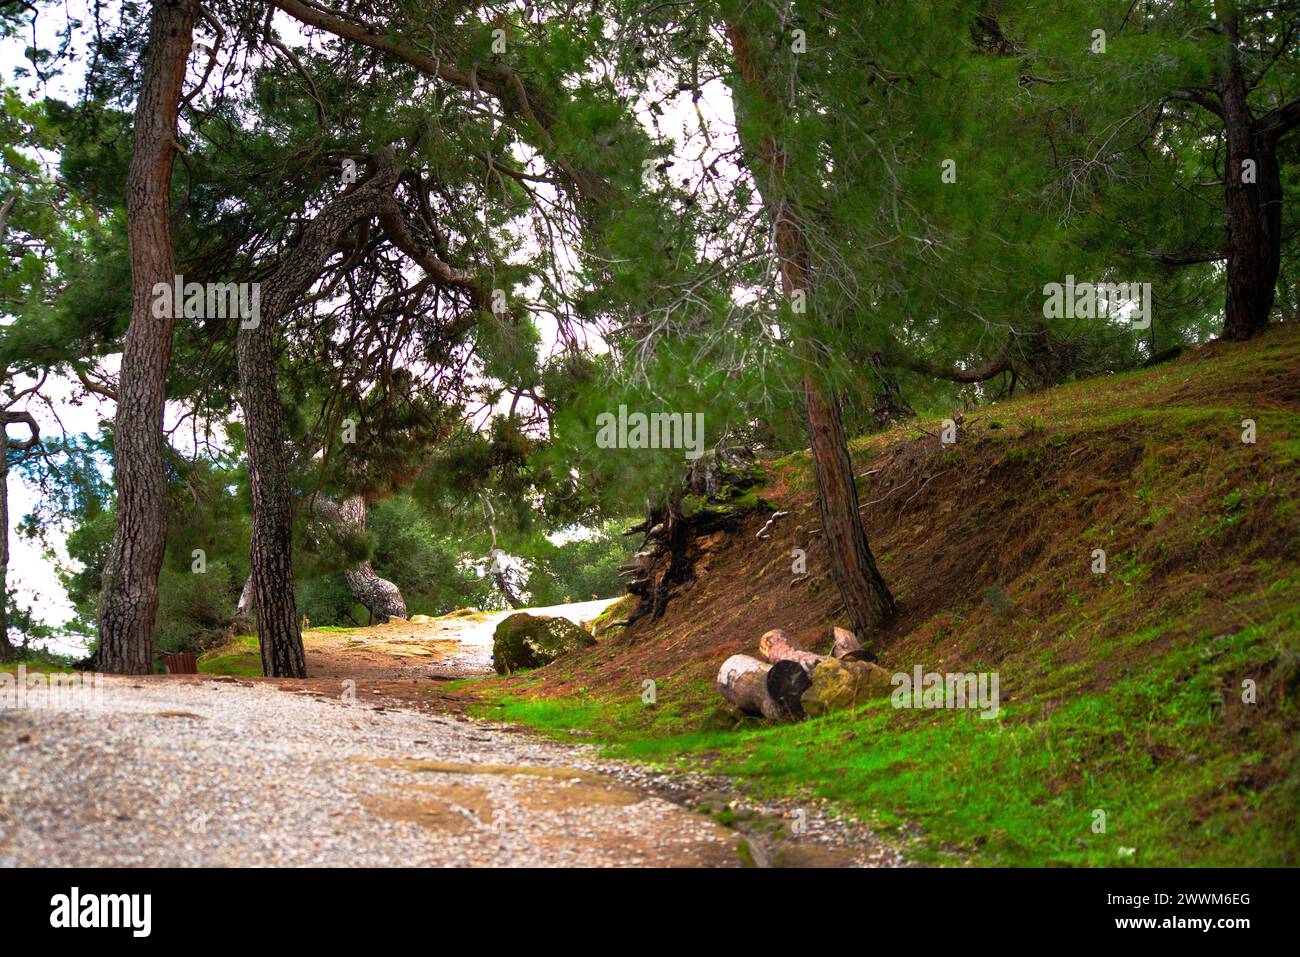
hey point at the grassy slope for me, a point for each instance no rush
(1121, 692)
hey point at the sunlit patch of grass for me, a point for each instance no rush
(240, 656)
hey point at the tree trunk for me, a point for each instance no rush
(7, 652)
(867, 598)
(1254, 208)
(502, 579)
(381, 597)
(247, 606)
(129, 600)
(278, 629)
(889, 407)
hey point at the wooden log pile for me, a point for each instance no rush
(786, 682)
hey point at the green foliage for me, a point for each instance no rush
(195, 610)
(580, 568)
(430, 567)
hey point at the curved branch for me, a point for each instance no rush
(994, 367)
(8, 417)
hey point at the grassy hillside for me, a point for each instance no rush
(1121, 692)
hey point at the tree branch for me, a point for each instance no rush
(1277, 123)
(1202, 98)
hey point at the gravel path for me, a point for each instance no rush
(175, 772)
(357, 768)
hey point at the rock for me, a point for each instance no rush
(839, 684)
(530, 641)
(419, 619)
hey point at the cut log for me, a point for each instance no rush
(748, 684)
(845, 642)
(742, 680)
(776, 645)
(839, 684)
(786, 683)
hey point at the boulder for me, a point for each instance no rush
(530, 641)
(839, 684)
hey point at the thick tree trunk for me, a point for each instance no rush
(867, 598)
(1254, 208)
(381, 597)
(278, 629)
(7, 652)
(129, 600)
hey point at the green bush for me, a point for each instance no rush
(195, 609)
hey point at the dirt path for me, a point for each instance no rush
(364, 764)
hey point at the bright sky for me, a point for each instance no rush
(31, 576)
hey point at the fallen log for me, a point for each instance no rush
(842, 683)
(845, 642)
(786, 683)
(756, 687)
(847, 647)
(776, 645)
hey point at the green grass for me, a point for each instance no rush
(241, 656)
(1122, 693)
(1149, 751)
(241, 664)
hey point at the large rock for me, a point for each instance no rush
(838, 684)
(530, 641)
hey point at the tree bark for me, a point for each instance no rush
(129, 600)
(8, 417)
(7, 651)
(867, 598)
(278, 629)
(381, 597)
(756, 687)
(1254, 208)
